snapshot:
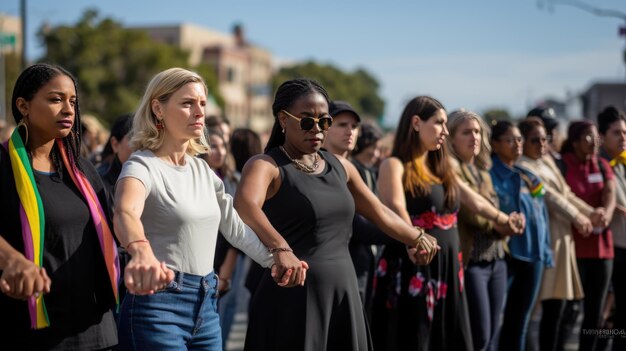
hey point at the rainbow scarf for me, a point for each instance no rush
(537, 189)
(621, 158)
(33, 224)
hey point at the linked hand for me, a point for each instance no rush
(22, 279)
(145, 275)
(424, 252)
(288, 270)
(284, 281)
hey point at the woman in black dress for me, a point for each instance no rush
(425, 308)
(309, 196)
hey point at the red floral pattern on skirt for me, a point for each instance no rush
(429, 220)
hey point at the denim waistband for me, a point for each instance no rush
(194, 281)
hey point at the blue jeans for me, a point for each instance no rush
(485, 284)
(524, 283)
(181, 317)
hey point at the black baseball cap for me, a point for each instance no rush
(336, 107)
(547, 116)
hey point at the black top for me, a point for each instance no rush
(80, 299)
(314, 213)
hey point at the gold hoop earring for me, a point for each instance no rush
(23, 124)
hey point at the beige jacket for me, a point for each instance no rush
(563, 280)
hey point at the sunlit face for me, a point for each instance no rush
(370, 155)
(537, 143)
(310, 105)
(183, 112)
(342, 135)
(433, 131)
(466, 140)
(121, 148)
(217, 157)
(51, 112)
(614, 140)
(508, 146)
(588, 143)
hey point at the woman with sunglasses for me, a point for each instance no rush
(560, 283)
(520, 190)
(425, 308)
(309, 196)
(592, 179)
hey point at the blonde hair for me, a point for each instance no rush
(145, 134)
(455, 119)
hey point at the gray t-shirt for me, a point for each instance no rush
(184, 209)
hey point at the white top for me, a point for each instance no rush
(184, 209)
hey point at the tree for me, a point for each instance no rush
(111, 63)
(359, 88)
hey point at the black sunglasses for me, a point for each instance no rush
(307, 123)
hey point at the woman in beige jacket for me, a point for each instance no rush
(562, 282)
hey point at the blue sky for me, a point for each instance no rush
(476, 54)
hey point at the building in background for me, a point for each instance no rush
(10, 44)
(601, 95)
(243, 70)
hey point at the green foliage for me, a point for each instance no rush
(112, 64)
(358, 88)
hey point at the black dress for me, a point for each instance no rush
(423, 307)
(314, 214)
(80, 301)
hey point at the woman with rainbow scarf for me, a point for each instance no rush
(58, 259)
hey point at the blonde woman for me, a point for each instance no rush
(482, 239)
(170, 206)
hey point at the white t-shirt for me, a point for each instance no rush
(184, 209)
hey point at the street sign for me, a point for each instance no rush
(7, 39)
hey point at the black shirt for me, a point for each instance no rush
(79, 303)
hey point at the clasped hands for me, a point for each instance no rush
(511, 224)
(22, 279)
(287, 270)
(423, 249)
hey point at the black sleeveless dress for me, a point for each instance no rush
(314, 214)
(423, 307)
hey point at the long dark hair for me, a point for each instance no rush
(407, 147)
(286, 94)
(30, 81)
(244, 143)
(575, 131)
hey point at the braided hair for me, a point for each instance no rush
(30, 81)
(286, 94)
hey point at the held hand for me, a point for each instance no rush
(425, 250)
(22, 279)
(583, 225)
(517, 222)
(597, 217)
(283, 262)
(144, 274)
(223, 286)
(284, 281)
